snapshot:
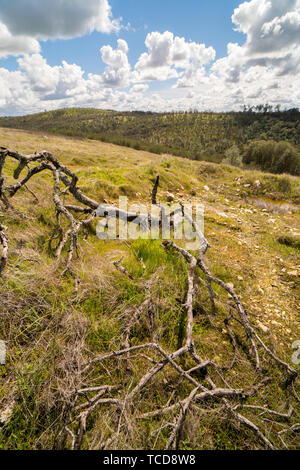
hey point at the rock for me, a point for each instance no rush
(206, 188)
(222, 214)
(6, 414)
(257, 184)
(262, 327)
(2, 353)
(293, 273)
(240, 278)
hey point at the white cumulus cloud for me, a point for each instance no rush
(24, 22)
(273, 31)
(270, 55)
(117, 72)
(168, 53)
(46, 19)
(16, 45)
(139, 88)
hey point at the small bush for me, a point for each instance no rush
(276, 157)
(287, 240)
(284, 185)
(233, 157)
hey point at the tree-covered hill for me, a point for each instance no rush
(198, 136)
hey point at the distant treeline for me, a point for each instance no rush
(196, 135)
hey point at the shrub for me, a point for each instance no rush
(233, 157)
(276, 157)
(284, 185)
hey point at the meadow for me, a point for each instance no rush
(252, 223)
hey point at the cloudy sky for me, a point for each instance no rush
(157, 55)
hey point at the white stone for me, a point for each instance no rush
(222, 214)
(262, 327)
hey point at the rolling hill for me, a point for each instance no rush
(198, 136)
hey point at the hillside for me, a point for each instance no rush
(198, 136)
(67, 382)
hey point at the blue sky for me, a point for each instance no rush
(201, 21)
(141, 54)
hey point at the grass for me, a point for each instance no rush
(48, 336)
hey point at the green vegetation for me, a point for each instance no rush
(198, 136)
(233, 157)
(252, 224)
(279, 157)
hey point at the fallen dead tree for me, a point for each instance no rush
(207, 383)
